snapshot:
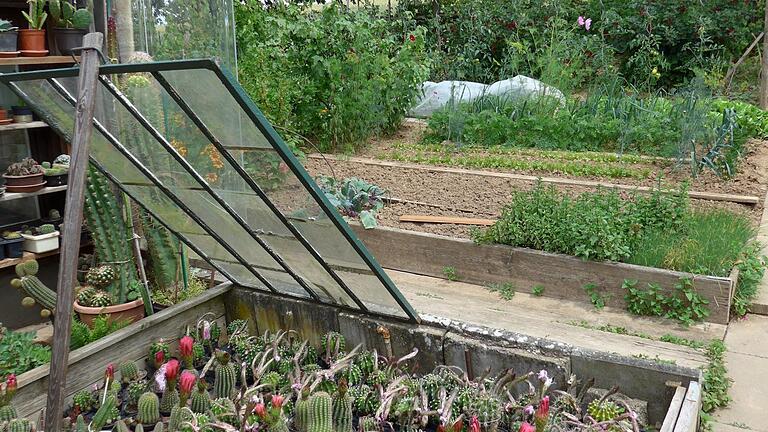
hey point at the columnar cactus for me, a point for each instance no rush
(301, 419)
(148, 408)
(164, 254)
(170, 394)
(179, 415)
(201, 400)
(224, 376)
(105, 413)
(320, 413)
(20, 425)
(33, 288)
(342, 410)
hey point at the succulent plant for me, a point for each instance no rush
(301, 419)
(129, 371)
(223, 409)
(46, 228)
(26, 167)
(342, 410)
(36, 292)
(65, 14)
(201, 399)
(19, 425)
(85, 295)
(6, 26)
(320, 413)
(62, 159)
(134, 391)
(100, 276)
(333, 343)
(101, 299)
(148, 408)
(224, 375)
(603, 410)
(106, 413)
(84, 400)
(179, 415)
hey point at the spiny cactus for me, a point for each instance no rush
(105, 413)
(224, 376)
(201, 400)
(120, 426)
(148, 408)
(368, 424)
(320, 413)
(33, 288)
(223, 409)
(179, 415)
(364, 399)
(165, 260)
(110, 233)
(20, 425)
(333, 343)
(101, 299)
(342, 410)
(487, 409)
(169, 400)
(46, 228)
(129, 371)
(100, 276)
(604, 411)
(7, 413)
(272, 379)
(134, 391)
(366, 361)
(85, 295)
(353, 374)
(302, 410)
(80, 425)
(84, 400)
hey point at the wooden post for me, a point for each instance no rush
(764, 69)
(73, 220)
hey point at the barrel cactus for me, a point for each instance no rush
(19, 425)
(602, 410)
(224, 376)
(342, 410)
(100, 276)
(320, 413)
(129, 371)
(85, 295)
(101, 299)
(148, 408)
(201, 400)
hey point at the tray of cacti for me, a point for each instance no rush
(277, 382)
(24, 176)
(55, 174)
(104, 293)
(40, 239)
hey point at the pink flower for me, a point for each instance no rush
(206, 330)
(260, 410)
(10, 382)
(109, 373)
(580, 21)
(187, 382)
(277, 401)
(527, 427)
(160, 377)
(588, 23)
(172, 371)
(474, 424)
(185, 346)
(529, 410)
(543, 375)
(159, 358)
(543, 410)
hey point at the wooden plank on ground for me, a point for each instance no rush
(561, 276)
(446, 220)
(688, 420)
(674, 410)
(710, 196)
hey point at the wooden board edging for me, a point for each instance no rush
(562, 276)
(86, 364)
(710, 196)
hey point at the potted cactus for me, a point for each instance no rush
(22, 114)
(103, 294)
(8, 39)
(32, 40)
(4, 118)
(56, 174)
(71, 24)
(24, 176)
(12, 243)
(41, 239)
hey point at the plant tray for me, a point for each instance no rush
(41, 243)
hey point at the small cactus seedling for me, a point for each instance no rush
(84, 400)
(129, 372)
(602, 410)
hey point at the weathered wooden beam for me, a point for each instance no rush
(73, 220)
(446, 220)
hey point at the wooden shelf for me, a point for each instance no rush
(10, 262)
(19, 195)
(19, 126)
(47, 60)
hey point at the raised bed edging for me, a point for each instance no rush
(86, 364)
(562, 276)
(442, 341)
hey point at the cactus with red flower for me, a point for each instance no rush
(7, 391)
(186, 352)
(541, 417)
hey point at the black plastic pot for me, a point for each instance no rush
(9, 41)
(67, 39)
(14, 248)
(21, 110)
(57, 180)
(2, 248)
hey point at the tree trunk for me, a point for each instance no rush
(124, 24)
(764, 71)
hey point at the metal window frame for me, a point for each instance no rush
(260, 121)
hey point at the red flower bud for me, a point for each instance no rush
(474, 424)
(187, 382)
(110, 372)
(527, 427)
(260, 410)
(172, 371)
(543, 411)
(185, 347)
(10, 382)
(277, 401)
(159, 358)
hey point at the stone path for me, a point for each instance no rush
(747, 362)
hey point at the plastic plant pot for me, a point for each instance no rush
(67, 39)
(56, 180)
(2, 248)
(41, 243)
(22, 114)
(9, 43)
(14, 248)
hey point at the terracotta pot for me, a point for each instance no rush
(32, 40)
(27, 180)
(132, 311)
(3, 114)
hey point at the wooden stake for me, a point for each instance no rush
(764, 71)
(73, 220)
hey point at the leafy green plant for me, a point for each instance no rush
(37, 15)
(715, 382)
(683, 303)
(19, 352)
(82, 335)
(506, 290)
(595, 297)
(751, 266)
(354, 198)
(450, 273)
(67, 15)
(537, 290)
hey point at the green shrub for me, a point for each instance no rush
(19, 352)
(334, 75)
(751, 267)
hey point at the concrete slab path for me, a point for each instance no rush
(747, 362)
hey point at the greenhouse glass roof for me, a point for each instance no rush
(184, 141)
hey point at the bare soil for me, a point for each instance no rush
(447, 194)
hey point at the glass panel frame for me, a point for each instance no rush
(397, 306)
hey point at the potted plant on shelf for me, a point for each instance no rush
(4, 119)
(22, 114)
(71, 24)
(32, 40)
(8, 39)
(24, 176)
(13, 244)
(56, 174)
(41, 239)
(54, 218)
